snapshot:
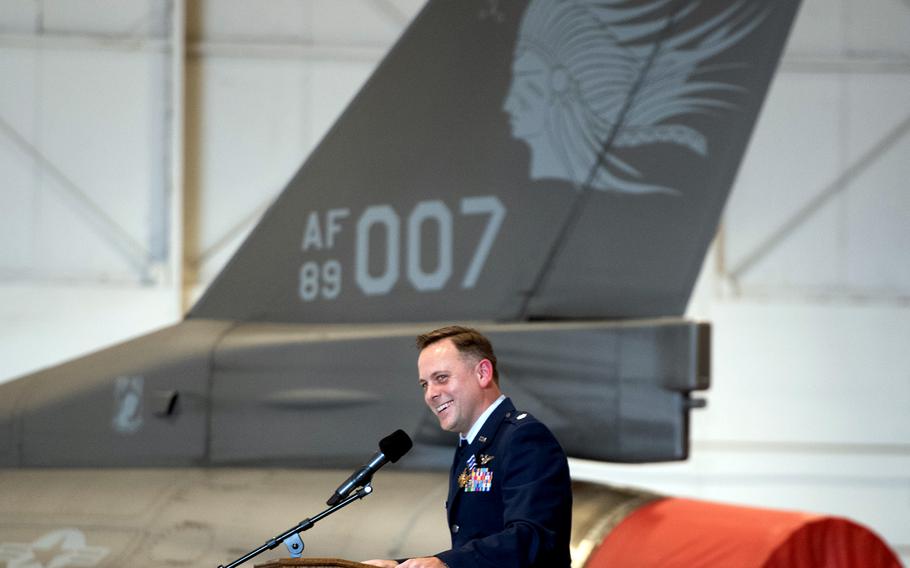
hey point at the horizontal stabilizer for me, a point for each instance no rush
(292, 394)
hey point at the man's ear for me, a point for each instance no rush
(484, 370)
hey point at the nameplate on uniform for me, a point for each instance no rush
(478, 479)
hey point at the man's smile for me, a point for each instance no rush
(443, 406)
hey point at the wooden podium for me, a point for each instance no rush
(313, 563)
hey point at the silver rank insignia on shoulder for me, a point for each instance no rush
(522, 415)
(485, 459)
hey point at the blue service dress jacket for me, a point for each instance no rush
(513, 507)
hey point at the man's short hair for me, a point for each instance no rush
(466, 339)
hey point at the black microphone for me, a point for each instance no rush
(391, 448)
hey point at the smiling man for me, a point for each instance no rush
(510, 497)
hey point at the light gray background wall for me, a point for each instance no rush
(141, 139)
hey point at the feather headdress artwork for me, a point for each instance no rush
(593, 76)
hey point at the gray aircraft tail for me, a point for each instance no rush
(518, 160)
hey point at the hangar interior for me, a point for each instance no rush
(140, 141)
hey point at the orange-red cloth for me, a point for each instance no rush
(687, 533)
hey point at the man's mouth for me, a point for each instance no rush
(443, 406)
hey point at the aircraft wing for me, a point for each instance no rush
(218, 393)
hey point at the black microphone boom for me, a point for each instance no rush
(391, 448)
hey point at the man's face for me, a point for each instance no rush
(451, 385)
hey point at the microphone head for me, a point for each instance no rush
(395, 445)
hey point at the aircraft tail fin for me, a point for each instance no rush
(519, 160)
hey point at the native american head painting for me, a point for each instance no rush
(591, 76)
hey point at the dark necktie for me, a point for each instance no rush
(459, 453)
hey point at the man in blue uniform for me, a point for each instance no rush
(510, 497)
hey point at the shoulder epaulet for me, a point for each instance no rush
(518, 416)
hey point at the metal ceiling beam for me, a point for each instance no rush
(177, 151)
(83, 42)
(391, 12)
(257, 48)
(117, 236)
(896, 63)
(842, 182)
(248, 221)
(266, 47)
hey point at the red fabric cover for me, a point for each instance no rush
(686, 533)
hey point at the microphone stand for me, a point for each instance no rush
(303, 525)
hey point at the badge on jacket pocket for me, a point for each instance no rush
(480, 479)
